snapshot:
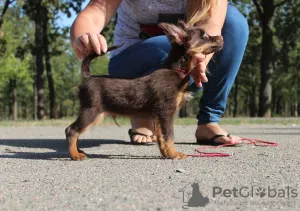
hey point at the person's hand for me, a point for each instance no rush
(89, 43)
(198, 72)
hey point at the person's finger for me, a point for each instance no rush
(196, 78)
(200, 70)
(95, 43)
(202, 73)
(78, 54)
(86, 41)
(103, 43)
(80, 49)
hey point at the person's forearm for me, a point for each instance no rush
(82, 25)
(94, 17)
(216, 21)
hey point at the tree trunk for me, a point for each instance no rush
(35, 98)
(266, 67)
(246, 106)
(13, 110)
(60, 109)
(53, 113)
(279, 107)
(24, 110)
(252, 103)
(39, 54)
(265, 10)
(236, 90)
(3, 111)
(295, 114)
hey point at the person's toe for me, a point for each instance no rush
(137, 139)
(144, 139)
(148, 139)
(141, 139)
(228, 140)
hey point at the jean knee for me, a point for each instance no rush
(236, 23)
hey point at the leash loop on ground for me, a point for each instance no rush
(256, 142)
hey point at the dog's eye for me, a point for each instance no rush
(202, 33)
(205, 36)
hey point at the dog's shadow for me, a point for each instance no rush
(60, 147)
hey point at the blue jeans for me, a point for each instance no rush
(145, 57)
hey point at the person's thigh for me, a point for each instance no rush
(141, 58)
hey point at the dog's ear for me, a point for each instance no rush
(183, 25)
(175, 33)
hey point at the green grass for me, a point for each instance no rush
(184, 121)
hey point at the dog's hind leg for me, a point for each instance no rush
(88, 117)
(165, 137)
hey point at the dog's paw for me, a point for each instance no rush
(180, 156)
(173, 155)
(79, 156)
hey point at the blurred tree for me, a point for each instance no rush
(108, 31)
(39, 11)
(286, 83)
(15, 71)
(16, 75)
(6, 5)
(266, 11)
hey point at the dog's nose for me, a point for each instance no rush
(221, 41)
(219, 38)
(216, 38)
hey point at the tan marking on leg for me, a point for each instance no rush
(166, 147)
(98, 120)
(73, 149)
(180, 99)
(75, 155)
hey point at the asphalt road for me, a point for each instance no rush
(37, 174)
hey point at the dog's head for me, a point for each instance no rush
(193, 39)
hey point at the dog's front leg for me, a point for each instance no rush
(165, 138)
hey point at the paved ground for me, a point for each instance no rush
(36, 173)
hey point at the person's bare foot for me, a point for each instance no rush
(207, 131)
(144, 126)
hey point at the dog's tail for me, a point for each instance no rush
(85, 66)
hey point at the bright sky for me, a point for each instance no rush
(65, 21)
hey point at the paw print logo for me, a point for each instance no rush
(261, 192)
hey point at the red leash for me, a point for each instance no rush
(255, 142)
(199, 153)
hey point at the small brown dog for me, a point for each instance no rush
(158, 95)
